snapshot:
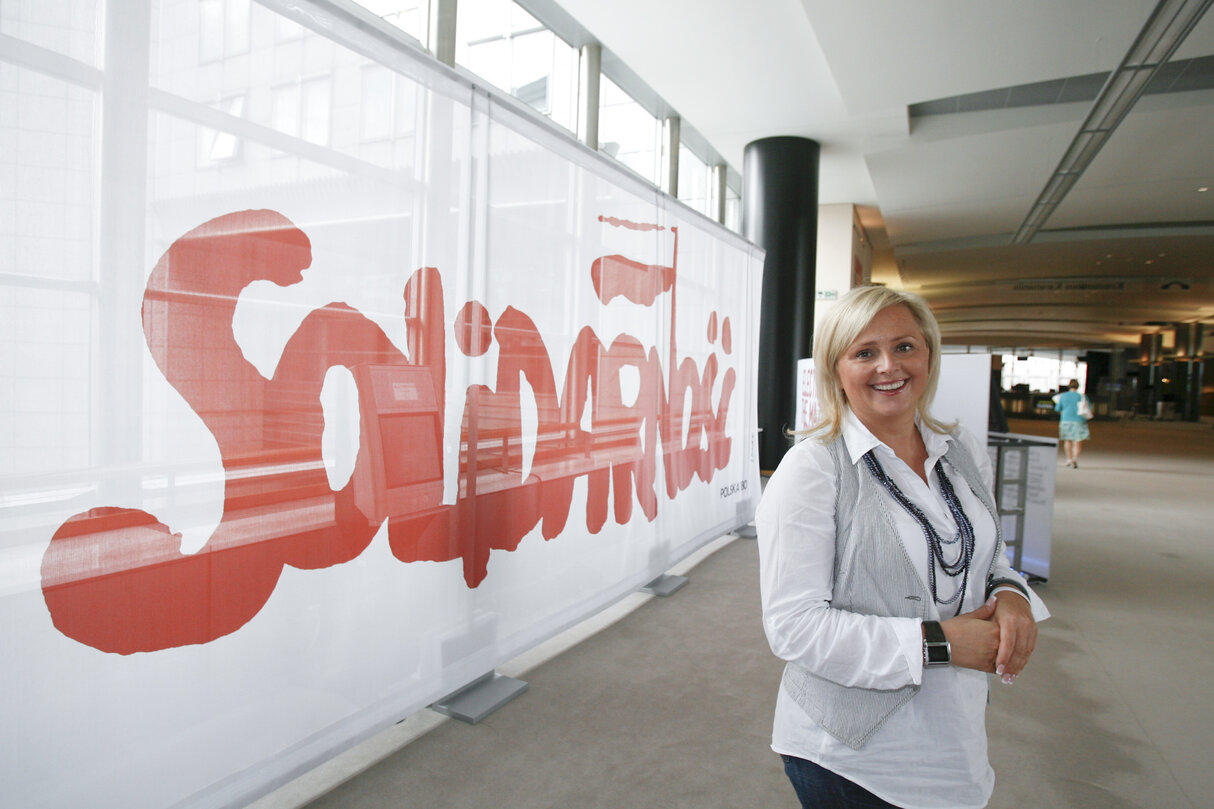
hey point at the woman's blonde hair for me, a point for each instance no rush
(843, 323)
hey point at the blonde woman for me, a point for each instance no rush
(884, 581)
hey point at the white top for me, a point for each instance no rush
(932, 751)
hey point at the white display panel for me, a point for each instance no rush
(963, 393)
(330, 383)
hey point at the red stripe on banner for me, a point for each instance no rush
(637, 282)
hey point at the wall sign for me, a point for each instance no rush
(326, 402)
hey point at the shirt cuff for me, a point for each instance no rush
(910, 638)
(1007, 588)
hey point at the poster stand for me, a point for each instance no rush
(1013, 456)
(745, 528)
(479, 698)
(1024, 495)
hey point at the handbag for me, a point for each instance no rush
(1085, 408)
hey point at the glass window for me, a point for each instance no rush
(316, 103)
(49, 176)
(72, 29)
(506, 46)
(236, 27)
(218, 146)
(286, 29)
(303, 109)
(409, 16)
(377, 103)
(733, 209)
(1042, 374)
(210, 30)
(628, 132)
(284, 109)
(223, 29)
(694, 180)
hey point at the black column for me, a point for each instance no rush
(1189, 338)
(780, 214)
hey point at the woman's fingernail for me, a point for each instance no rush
(999, 670)
(1008, 679)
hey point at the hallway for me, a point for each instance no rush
(1119, 704)
(671, 704)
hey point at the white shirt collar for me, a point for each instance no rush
(860, 440)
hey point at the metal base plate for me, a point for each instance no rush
(665, 585)
(481, 697)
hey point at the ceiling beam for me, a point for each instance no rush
(1165, 29)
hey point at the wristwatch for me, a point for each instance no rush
(936, 648)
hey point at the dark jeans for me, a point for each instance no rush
(819, 788)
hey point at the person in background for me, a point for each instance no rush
(1073, 424)
(883, 577)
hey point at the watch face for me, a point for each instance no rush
(937, 653)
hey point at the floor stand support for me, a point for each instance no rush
(479, 698)
(665, 585)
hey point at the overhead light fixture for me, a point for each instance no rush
(1165, 29)
(1203, 189)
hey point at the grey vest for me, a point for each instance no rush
(873, 576)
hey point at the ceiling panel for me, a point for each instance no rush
(885, 54)
(939, 193)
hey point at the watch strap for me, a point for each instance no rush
(936, 649)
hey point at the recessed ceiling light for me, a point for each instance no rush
(1203, 189)
(1150, 261)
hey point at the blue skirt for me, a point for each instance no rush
(1073, 431)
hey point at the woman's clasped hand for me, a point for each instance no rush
(997, 638)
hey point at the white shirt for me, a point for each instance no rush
(932, 751)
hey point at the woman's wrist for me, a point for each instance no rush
(1007, 588)
(997, 585)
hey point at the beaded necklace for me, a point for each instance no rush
(935, 543)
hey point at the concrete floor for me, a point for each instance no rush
(668, 702)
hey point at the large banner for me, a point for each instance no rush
(330, 382)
